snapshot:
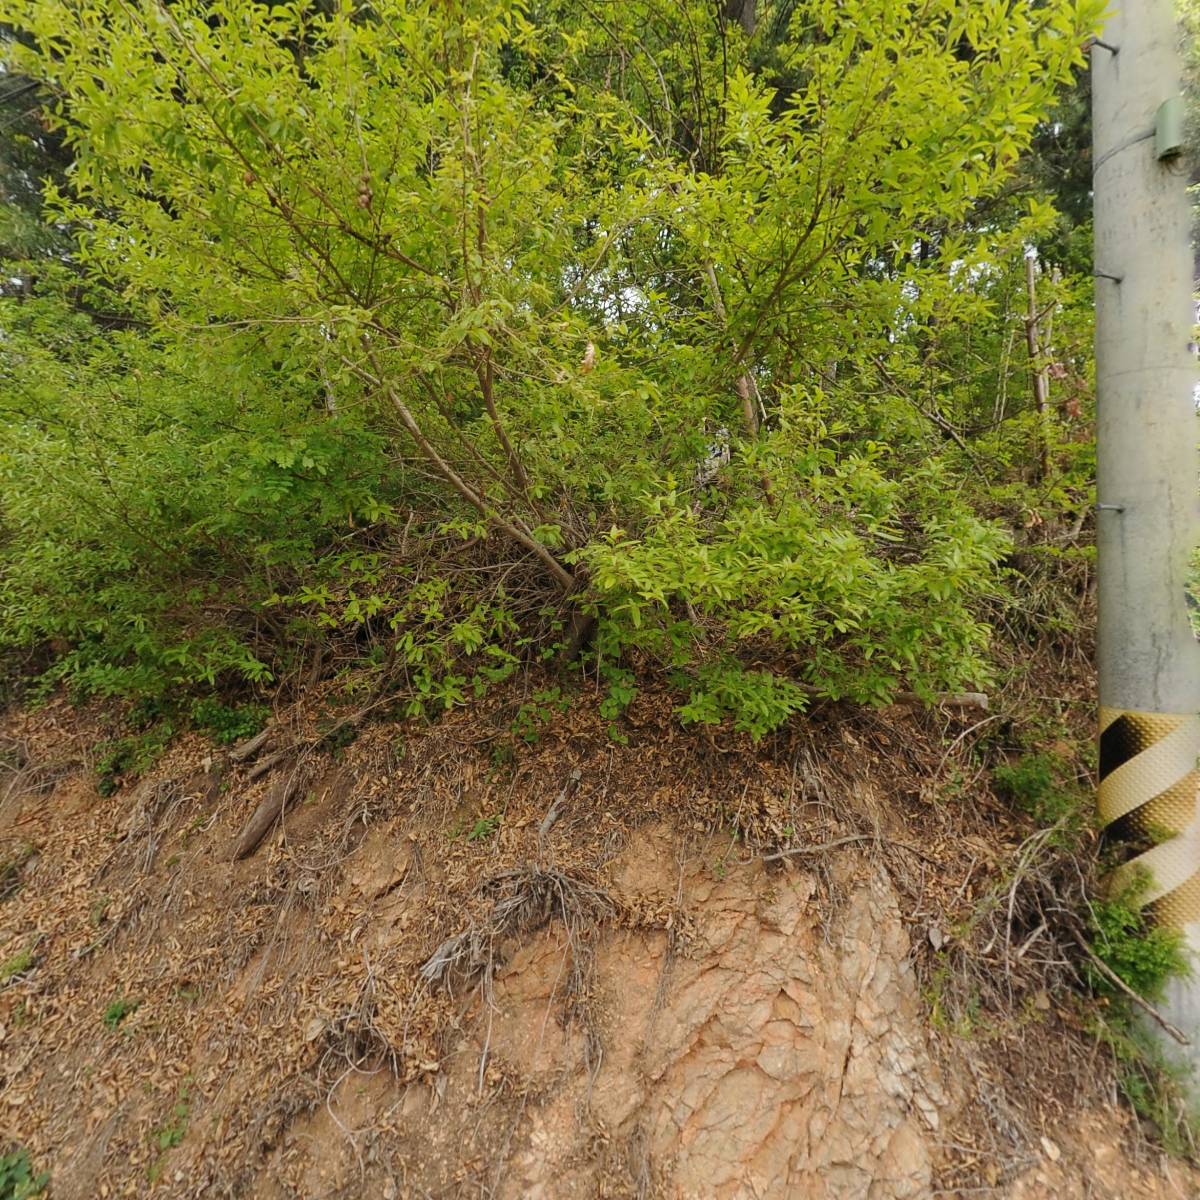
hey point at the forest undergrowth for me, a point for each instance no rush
(361, 364)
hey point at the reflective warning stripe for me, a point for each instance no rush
(1149, 784)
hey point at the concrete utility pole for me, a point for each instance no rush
(1148, 518)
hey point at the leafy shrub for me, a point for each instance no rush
(1143, 954)
(226, 723)
(1034, 782)
(17, 1180)
(130, 754)
(316, 409)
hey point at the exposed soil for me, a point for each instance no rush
(466, 966)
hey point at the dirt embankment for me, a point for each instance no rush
(467, 966)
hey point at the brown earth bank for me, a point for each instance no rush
(483, 958)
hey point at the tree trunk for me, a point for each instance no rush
(1037, 367)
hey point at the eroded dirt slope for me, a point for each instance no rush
(576, 969)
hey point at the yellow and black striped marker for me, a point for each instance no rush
(1149, 784)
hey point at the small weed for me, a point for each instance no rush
(1154, 1087)
(171, 1134)
(538, 711)
(118, 1010)
(17, 965)
(17, 1180)
(951, 1011)
(483, 828)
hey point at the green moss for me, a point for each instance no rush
(17, 965)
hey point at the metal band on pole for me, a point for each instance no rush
(1148, 787)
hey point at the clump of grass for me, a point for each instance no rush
(18, 964)
(118, 1010)
(1153, 1086)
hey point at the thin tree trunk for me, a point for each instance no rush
(745, 13)
(1037, 367)
(744, 385)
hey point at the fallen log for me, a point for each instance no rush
(251, 746)
(279, 795)
(978, 700)
(265, 764)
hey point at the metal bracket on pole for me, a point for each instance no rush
(1106, 275)
(1113, 50)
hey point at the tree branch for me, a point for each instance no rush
(514, 529)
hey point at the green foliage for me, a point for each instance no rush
(226, 723)
(1034, 781)
(756, 700)
(130, 754)
(1144, 955)
(484, 828)
(118, 1010)
(17, 1179)
(420, 321)
(18, 964)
